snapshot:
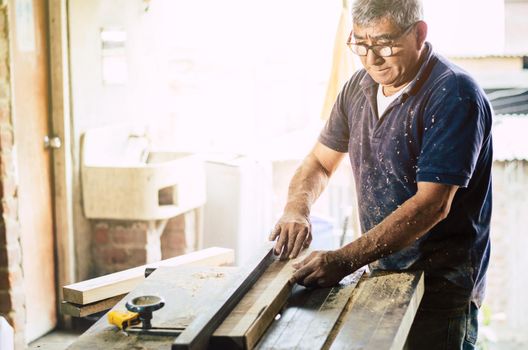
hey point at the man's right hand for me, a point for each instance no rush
(294, 232)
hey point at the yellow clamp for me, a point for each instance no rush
(123, 319)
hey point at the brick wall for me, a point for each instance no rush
(119, 245)
(12, 300)
(173, 242)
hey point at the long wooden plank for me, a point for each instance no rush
(309, 317)
(76, 310)
(122, 282)
(198, 333)
(254, 313)
(382, 314)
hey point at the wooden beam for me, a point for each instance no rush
(199, 331)
(76, 310)
(382, 314)
(254, 313)
(122, 282)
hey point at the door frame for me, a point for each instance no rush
(62, 157)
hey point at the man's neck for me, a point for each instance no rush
(391, 90)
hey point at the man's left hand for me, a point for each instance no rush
(320, 269)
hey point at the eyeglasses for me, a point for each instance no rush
(378, 50)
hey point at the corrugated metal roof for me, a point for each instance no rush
(473, 57)
(509, 101)
(510, 137)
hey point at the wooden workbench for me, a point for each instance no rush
(375, 313)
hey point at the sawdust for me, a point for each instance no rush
(388, 289)
(197, 281)
(207, 275)
(337, 297)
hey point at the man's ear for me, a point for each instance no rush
(421, 33)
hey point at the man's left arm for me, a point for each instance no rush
(415, 217)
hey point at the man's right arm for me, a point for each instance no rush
(293, 228)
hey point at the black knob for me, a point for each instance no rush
(145, 305)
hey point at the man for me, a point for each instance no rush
(417, 131)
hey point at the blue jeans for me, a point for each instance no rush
(454, 329)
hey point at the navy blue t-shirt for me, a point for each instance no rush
(437, 130)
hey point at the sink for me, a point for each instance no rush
(123, 179)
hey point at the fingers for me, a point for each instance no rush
(312, 280)
(281, 242)
(292, 237)
(299, 243)
(308, 239)
(287, 244)
(275, 232)
(309, 276)
(305, 267)
(291, 233)
(302, 273)
(305, 261)
(318, 270)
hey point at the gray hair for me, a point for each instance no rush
(402, 12)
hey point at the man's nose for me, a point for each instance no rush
(373, 59)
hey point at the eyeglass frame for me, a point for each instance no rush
(350, 44)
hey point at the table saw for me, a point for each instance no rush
(255, 306)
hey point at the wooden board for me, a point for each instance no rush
(122, 282)
(186, 291)
(254, 313)
(76, 310)
(199, 331)
(309, 317)
(382, 314)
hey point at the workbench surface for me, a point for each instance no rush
(375, 314)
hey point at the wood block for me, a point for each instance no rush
(122, 282)
(382, 314)
(254, 313)
(76, 310)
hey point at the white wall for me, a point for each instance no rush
(206, 75)
(213, 74)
